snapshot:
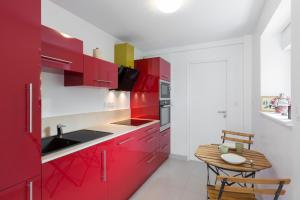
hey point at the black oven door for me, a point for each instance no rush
(165, 90)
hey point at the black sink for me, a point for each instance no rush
(53, 143)
(56, 144)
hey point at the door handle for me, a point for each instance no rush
(30, 188)
(224, 112)
(125, 141)
(29, 106)
(103, 81)
(104, 161)
(55, 59)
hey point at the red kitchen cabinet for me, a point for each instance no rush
(164, 146)
(124, 177)
(165, 70)
(81, 175)
(144, 101)
(61, 51)
(23, 191)
(97, 72)
(20, 100)
(144, 98)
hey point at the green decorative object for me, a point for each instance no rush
(223, 149)
(239, 147)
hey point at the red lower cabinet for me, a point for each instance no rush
(164, 144)
(112, 170)
(26, 190)
(81, 175)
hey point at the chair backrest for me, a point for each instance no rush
(276, 191)
(245, 138)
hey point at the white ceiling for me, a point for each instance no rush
(140, 22)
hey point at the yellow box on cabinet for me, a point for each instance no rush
(124, 55)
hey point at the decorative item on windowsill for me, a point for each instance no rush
(281, 104)
(97, 53)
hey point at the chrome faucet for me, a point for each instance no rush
(60, 130)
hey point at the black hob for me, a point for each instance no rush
(132, 122)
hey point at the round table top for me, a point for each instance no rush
(211, 155)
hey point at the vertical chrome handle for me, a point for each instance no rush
(30, 107)
(104, 177)
(30, 186)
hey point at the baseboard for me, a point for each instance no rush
(178, 157)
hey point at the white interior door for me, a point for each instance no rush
(207, 103)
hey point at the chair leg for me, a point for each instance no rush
(224, 181)
(278, 190)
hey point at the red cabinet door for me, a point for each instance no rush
(76, 176)
(165, 70)
(165, 145)
(100, 73)
(144, 98)
(20, 86)
(126, 156)
(61, 51)
(26, 190)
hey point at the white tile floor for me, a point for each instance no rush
(175, 180)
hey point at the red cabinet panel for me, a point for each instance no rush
(164, 149)
(20, 85)
(61, 51)
(97, 72)
(165, 70)
(23, 191)
(144, 101)
(81, 175)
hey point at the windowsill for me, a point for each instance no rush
(283, 120)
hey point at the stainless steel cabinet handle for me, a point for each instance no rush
(104, 166)
(167, 106)
(151, 139)
(30, 107)
(30, 187)
(56, 59)
(102, 81)
(151, 160)
(125, 141)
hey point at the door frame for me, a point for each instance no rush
(227, 62)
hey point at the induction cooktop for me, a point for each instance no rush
(132, 122)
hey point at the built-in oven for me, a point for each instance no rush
(165, 114)
(165, 90)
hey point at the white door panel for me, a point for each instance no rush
(207, 101)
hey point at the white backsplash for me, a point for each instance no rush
(81, 121)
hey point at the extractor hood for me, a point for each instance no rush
(127, 78)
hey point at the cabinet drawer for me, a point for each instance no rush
(165, 137)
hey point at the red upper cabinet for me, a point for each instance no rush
(20, 85)
(61, 51)
(97, 72)
(144, 99)
(165, 70)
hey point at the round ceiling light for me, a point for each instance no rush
(168, 6)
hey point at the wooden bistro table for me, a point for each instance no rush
(211, 155)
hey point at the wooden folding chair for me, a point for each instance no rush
(240, 137)
(224, 192)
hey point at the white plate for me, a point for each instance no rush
(230, 145)
(233, 158)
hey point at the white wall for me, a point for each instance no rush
(58, 100)
(276, 66)
(279, 143)
(237, 52)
